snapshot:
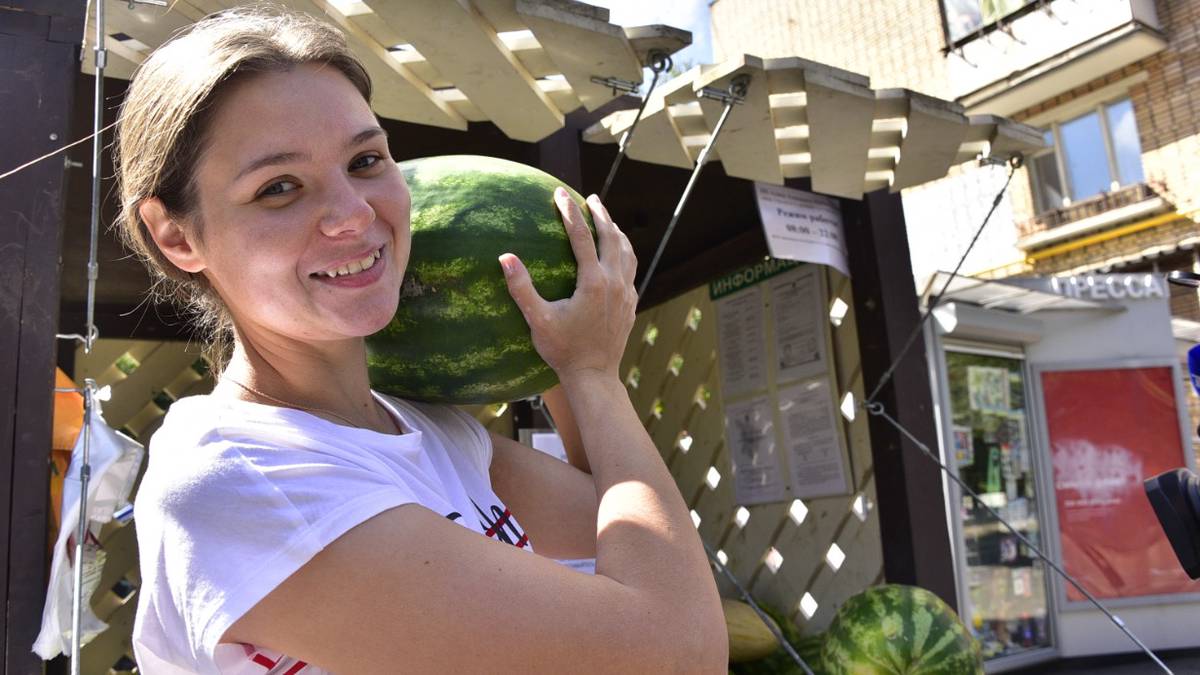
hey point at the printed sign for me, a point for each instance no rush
(801, 225)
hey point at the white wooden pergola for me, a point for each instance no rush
(801, 118)
(524, 64)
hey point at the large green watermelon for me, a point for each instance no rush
(898, 630)
(457, 336)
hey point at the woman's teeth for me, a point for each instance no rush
(353, 267)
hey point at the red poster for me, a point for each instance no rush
(1110, 430)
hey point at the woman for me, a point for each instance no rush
(294, 521)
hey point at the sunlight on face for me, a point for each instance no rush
(306, 216)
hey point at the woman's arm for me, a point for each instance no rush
(409, 590)
(559, 407)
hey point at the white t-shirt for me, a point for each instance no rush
(239, 495)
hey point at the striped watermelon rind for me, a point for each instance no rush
(457, 336)
(898, 630)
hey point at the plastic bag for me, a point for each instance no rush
(115, 461)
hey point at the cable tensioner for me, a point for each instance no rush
(735, 94)
(660, 62)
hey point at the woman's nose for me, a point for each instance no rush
(347, 210)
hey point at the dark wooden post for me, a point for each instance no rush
(911, 502)
(39, 50)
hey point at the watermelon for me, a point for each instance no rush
(458, 336)
(898, 630)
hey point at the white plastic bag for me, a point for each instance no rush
(115, 460)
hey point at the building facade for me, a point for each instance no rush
(1114, 195)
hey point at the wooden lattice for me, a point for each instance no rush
(671, 372)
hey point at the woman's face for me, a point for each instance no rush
(305, 215)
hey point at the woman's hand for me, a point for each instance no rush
(587, 332)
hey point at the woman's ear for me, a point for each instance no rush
(172, 239)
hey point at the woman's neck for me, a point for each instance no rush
(327, 379)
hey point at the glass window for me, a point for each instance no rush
(964, 17)
(1085, 157)
(1099, 152)
(1127, 149)
(1006, 607)
(1048, 185)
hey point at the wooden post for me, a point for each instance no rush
(39, 50)
(911, 502)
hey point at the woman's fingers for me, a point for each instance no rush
(615, 250)
(578, 233)
(520, 287)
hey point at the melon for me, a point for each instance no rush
(898, 630)
(749, 636)
(458, 336)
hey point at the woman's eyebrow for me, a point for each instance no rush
(365, 135)
(271, 160)
(288, 157)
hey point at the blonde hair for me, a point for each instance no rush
(163, 125)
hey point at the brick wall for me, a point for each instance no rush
(1095, 255)
(1167, 107)
(897, 43)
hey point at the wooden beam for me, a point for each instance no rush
(399, 94)
(912, 509)
(657, 138)
(582, 46)
(39, 49)
(460, 44)
(656, 37)
(747, 141)
(840, 114)
(935, 131)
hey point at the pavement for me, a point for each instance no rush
(1181, 662)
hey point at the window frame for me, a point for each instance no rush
(1054, 129)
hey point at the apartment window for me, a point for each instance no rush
(1096, 152)
(966, 17)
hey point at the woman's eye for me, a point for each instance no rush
(278, 188)
(365, 162)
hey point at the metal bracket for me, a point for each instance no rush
(1007, 29)
(735, 94)
(617, 85)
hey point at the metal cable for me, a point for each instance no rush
(659, 64)
(737, 90)
(878, 410)
(88, 339)
(766, 618)
(1013, 164)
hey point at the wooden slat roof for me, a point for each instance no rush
(523, 64)
(826, 123)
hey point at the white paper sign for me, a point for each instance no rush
(801, 225)
(813, 444)
(750, 437)
(799, 325)
(742, 339)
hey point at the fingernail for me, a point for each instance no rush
(560, 193)
(506, 265)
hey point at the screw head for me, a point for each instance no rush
(54, 137)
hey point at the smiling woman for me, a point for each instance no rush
(296, 521)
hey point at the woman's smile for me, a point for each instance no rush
(357, 273)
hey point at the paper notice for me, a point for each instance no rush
(801, 225)
(750, 437)
(742, 340)
(812, 441)
(799, 329)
